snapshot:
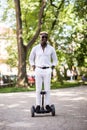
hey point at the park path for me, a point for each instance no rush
(71, 111)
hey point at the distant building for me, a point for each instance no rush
(5, 41)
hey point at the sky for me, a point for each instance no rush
(10, 17)
(3, 5)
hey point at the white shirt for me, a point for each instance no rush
(40, 58)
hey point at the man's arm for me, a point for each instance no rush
(54, 59)
(32, 58)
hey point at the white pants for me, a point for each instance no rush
(42, 77)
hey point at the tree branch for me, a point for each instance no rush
(53, 4)
(57, 13)
(43, 4)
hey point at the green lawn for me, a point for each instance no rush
(66, 84)
(54, 85)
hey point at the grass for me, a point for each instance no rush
(15, 89)
(54, 85)
(66, 84)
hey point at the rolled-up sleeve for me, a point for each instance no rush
(32, 57)
(54, 58)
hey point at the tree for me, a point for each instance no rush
(23, 49)
(80, 10)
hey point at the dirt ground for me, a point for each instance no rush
(70, 104)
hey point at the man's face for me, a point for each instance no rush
(43, 39)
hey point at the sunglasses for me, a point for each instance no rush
(44, 37)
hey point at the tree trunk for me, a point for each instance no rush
(22, 77)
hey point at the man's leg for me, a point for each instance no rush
(38, 82)
(47, 80)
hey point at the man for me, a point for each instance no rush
(43, 59)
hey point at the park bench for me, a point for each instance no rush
(7, 84)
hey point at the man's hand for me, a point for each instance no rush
(52, 70)
(53, 67)
(33, 67)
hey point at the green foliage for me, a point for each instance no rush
(29, 18)
(80, 7)
(80, 10)
(13, 56)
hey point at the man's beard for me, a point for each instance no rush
(43, 44)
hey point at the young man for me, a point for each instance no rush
(43, 59)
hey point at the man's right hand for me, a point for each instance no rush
(33, 67)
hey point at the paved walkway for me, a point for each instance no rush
(71, 111)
